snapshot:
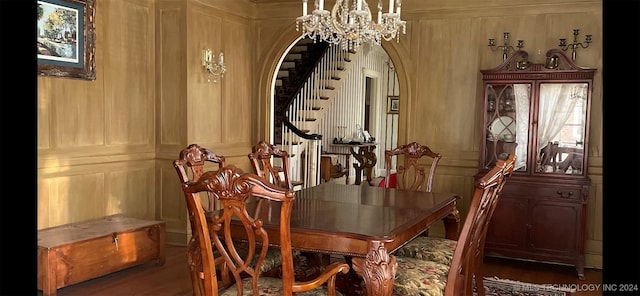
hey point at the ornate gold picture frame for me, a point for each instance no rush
(65, 38)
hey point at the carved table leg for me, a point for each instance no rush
(377, 270)
(451, 224)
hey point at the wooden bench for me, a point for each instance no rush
(77, 252)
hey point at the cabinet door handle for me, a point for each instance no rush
(569, 194)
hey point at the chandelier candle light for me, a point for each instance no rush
(563, 43)
(506, 47)
(349, 23)
(214, 68)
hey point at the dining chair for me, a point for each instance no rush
(441, 249)
(462, 276)
(262, 158)
(411, 175)
(234, 188)
(190, 166)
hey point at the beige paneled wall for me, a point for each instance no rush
(171, 39)
(217, 115)
(96, 138)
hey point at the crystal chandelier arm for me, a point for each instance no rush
(304, 7)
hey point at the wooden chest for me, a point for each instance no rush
(73, 253)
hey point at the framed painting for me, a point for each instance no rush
(65, 38)
(393, 105)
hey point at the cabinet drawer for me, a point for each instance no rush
(552, 191)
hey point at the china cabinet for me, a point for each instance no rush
(540, 112)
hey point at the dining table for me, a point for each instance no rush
(365, 223)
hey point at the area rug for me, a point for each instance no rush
(494, 286)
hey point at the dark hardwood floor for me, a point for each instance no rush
(172, 279)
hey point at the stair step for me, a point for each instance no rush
(334, 83)
(283, 74)
(288, 65)
(327, 94)
(299, 48)
(292, 57)
(318, 103)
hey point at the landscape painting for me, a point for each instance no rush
(65, 45)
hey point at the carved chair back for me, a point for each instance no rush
(468, 255)
(411, 175)
(190, 166)
(262, 157)
(245, 197)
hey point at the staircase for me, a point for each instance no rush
(308, 79)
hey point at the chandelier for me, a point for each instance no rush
(350, 23)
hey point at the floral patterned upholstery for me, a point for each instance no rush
(271, 261)
(419, 277)
(435, 249)
(269, 286)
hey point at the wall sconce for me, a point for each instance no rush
(214, 68)
(563, 43)
(506, 47)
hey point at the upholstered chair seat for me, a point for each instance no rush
(270, 286)
(430, 248)
(429, 266)
(420, 277)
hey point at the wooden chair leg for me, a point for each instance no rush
(479, 284)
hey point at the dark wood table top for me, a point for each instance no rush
(347, 219)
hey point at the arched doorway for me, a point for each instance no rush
(361, 100)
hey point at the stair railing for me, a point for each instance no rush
(305, 145)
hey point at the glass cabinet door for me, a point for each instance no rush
(562, 117)
(507, 122)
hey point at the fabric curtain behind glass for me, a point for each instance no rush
(522, 94)
(556, 105)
